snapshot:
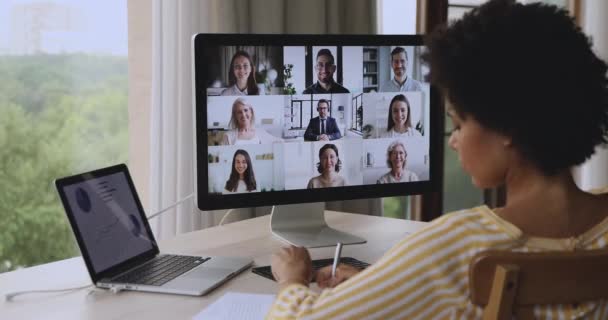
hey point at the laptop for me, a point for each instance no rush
(117, 243)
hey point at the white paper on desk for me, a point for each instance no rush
(235, 305)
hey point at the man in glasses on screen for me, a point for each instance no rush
(325, 68)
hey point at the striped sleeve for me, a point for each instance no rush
(423, 277)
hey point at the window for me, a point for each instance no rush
(356, 115)
(302, 111)
(458, 191)
(63, 98)
(396, 17)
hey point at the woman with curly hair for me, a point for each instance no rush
(513, 74)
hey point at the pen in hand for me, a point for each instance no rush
(336, 259)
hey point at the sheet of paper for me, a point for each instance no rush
(236, 305)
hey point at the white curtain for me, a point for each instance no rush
(172, 134)
(171, 162)
(594, 173)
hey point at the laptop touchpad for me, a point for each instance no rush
(208, 273)
(200, 279)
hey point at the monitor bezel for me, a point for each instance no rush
(207, 201)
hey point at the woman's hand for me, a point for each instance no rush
(343, 273)
(291, 265)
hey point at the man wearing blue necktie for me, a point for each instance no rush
(323, 127)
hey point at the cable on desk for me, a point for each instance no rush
(171, 206)
(9, 296)
(225, 216)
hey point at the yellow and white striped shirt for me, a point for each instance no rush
(425, 276)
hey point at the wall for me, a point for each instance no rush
(353, 68)
(140, 93)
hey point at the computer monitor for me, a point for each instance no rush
(295, 120)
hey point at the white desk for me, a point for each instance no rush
(249, 238)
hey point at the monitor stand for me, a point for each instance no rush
(304, 225)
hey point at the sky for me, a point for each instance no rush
(101, 28)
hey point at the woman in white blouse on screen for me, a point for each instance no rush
(242, 178)
(243, 127)
(399, 119)
(329, 165)
(396, 159)
(241, 77)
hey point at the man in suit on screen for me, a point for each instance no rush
(323, 127)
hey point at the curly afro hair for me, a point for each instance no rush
(526, 71)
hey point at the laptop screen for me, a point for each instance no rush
(108, 219)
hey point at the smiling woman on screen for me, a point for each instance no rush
(241, 77)
(242, 178)
(329, 165)
(396, 159)
(243, 128)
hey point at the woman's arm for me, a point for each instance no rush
(423, 276)
(292, 266)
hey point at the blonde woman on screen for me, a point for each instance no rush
(396, 159)
(243, 129)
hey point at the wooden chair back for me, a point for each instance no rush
(508, 283)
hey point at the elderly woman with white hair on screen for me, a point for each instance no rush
(396, 159)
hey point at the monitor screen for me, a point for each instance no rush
(286, 119)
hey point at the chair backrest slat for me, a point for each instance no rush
(545, 277)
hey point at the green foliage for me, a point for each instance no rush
(60, 115)
(287, 72)
(393, 207)
(458, 190)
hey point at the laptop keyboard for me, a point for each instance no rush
(160, 270)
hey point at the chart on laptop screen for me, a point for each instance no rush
(108, 218)
(285, 118)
